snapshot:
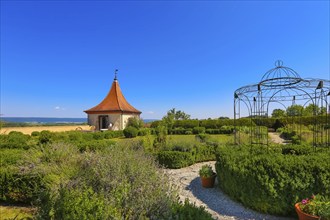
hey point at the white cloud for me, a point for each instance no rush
(58, 108)
(150, 112)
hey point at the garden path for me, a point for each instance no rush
(213, 199)
(275, 138)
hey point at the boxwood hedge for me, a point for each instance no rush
(271, 181)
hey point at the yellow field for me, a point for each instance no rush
(29, 130)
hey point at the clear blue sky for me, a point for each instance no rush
(58, 57)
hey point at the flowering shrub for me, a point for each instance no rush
(316, 205)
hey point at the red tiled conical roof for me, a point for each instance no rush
(114, 102)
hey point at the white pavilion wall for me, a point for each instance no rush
(118, 121)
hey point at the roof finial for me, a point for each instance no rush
(116, 74)
(279, 63)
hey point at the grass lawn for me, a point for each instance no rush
(15, 212)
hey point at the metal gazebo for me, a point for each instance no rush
(282, 86)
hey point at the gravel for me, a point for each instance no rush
(213, 199)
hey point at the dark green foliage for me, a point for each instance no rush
(175, 159)
(135, 122)
(94, 145)
(189, 211)
(297, 149)
(186, 124)
(20, 187)
(113, 134)
(10, 156)
(204, 153)
(180, 130)
(35, 133)
(202, 137)
(198, 130)
(130, 132)
(278, 124)
(15, 140)
(143, 132)
(76, 204)
(45, 137)
(270, 181)
(161, 135)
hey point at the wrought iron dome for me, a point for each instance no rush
(280, 76)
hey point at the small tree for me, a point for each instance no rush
(278, 113)
(172, 116)
(161, 135)
(295, 110)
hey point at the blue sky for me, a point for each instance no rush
(58, 57)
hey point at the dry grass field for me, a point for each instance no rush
(29, 130)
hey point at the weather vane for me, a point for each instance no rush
(116, 74)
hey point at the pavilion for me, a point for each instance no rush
(113, 112)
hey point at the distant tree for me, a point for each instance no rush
(295, 110)
(173, 115)
(278, 113)
(223, 117)
(313, 109)
(177, 115)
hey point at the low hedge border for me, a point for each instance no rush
(272, 181)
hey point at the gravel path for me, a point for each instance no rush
(213, 199)
(275, 138)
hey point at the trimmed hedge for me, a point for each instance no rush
(272, 181)
(175, 159)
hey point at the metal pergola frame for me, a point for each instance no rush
(283, 86)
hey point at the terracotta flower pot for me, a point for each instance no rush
(304, 216)
(208, 182)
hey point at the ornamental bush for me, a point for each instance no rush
(130, 132)
(272, 180)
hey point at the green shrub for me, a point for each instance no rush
(189, 211)
(11, 156)
(135, 122)
(175, 159)
(212, 131)
(15, 140)
(226, 129)
(130, 132)
(204, 152)
(20, 187)
(76, 204)
(35, 133)
(269, 181)
(119, 183)
(113, 134)
(202, 137)
(45, 137)
(94, 145)
(179, 130)
(297, 149)
(198, 130)
(98, 135)
(143, 132)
